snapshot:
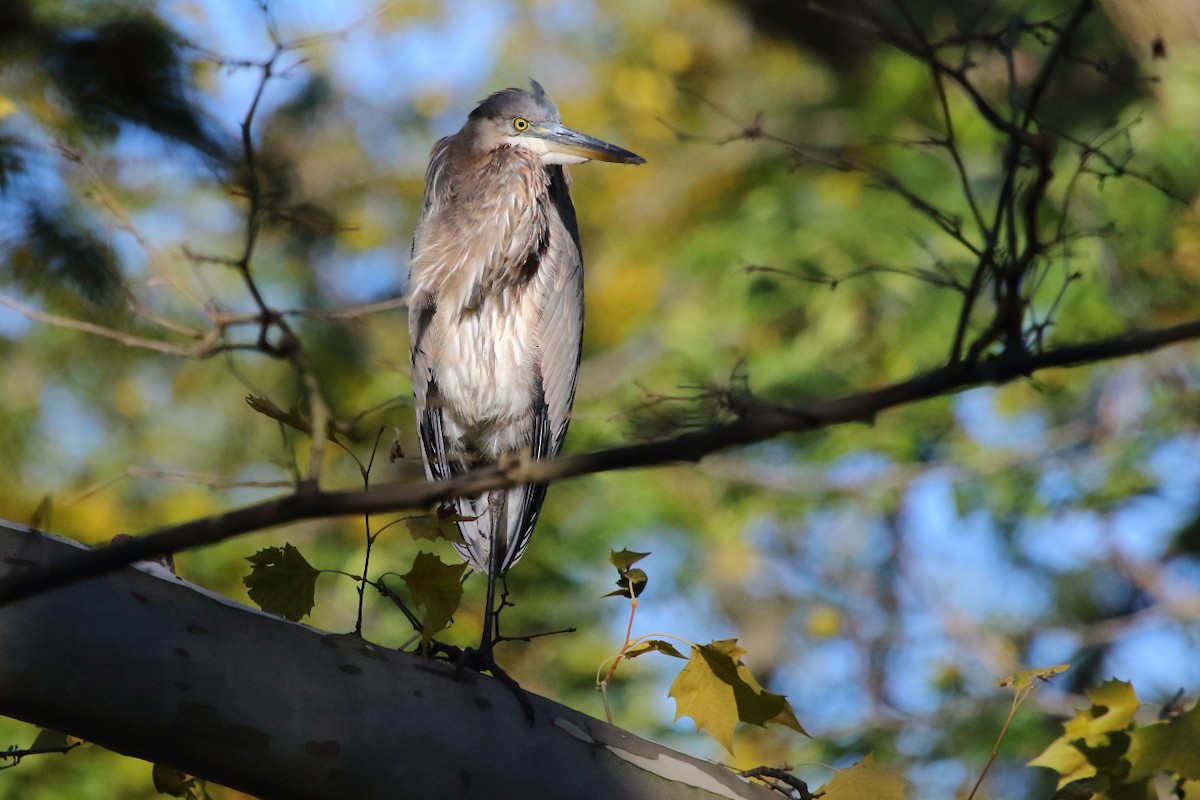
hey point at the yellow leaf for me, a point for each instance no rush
(1113, 705)
(1025, 678)
(717, 691)
(7, 107)
(866, 780)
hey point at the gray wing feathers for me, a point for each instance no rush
(560, 342)
(561, 330)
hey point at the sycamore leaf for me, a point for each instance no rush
(624, 559)
(1026, 678)
(1113, 705)
(438, 587)
(282, 582)
(654, 645)
(293, 418)
(437, 525)
(717, 691)
(1169, 746)
(631, 583)
(866, 780)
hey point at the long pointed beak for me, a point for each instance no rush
(561, 139)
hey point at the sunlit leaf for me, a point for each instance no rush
(437, 587)
(866, 780)
(1114, 704)
(1188, 789)
(1028, 677)
(717, 691)
(282, 582)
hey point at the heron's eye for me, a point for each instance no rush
(520, 124)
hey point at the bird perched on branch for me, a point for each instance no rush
(496, 310)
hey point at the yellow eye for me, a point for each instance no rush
(520, 124)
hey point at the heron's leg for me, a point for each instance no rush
(498, 506)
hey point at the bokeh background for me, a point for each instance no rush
(883, 577)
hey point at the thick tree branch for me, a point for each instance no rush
(765, 422)
(155, 668)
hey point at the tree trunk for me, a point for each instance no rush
(157, 668)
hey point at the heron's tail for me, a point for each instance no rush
(512, 533)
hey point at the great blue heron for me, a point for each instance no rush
(496, 310)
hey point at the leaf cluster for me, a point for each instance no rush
(1104, 753)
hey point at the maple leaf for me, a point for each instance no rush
(717, 691)
(1113, 705)
(866, 780)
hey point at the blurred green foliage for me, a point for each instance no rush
(882, 577)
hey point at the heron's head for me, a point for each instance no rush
(530, 120)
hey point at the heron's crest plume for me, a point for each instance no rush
(536, 106)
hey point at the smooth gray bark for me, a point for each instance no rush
(156, 668)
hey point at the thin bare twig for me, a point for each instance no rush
(209, 345)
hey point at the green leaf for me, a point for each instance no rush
(1170, 746)
(1113, 705)
(438, 525)
(654, 645)
(866, 780)
(631, 583)
(624, 559)
(1026, 678)
(717, 691)
(282, 582)
(438, 587)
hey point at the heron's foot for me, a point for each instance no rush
(482, 660)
